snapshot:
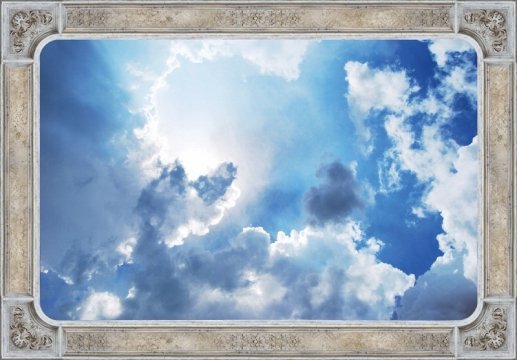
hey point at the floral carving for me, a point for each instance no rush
(433, 18)
(22, 22)
(252, 342)
(433, 341)
(491, 335)
(491, 24)
(79, 17)
(259, 18)
(24, 334)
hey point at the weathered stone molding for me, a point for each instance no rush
(17, 176)
(490, 27)
(249, 18)
(248, 341)
(259, 341)
(28, 336)
(490, 333)
(25, 332)
(25, 27)
(22, 24)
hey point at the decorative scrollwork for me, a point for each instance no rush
(491, 25)
(24, 334)
(252, 342)
(491, 335)
(22, 21)
(259, 18)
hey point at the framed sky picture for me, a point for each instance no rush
(232, 179)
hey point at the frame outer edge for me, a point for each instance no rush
(512, 186)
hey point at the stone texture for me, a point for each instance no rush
(499, 161)
(491, 335)
(18, 177)
(491, 28)
(490, 332)
(27, 334)
(234, 341)
(26, 26)
(236, 18)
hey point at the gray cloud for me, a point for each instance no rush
(335, 198)
(164, 276)
(210, 188)
(438, 295)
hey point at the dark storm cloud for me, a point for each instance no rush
(212, 187)
(335, 198)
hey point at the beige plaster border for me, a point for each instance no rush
(27, 333)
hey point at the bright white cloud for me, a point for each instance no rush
(100, 306)
(441, 48)
(459, 208)
(372, 89)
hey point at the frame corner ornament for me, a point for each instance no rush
(25, 26)
(490, 333)
(26, 333)
(490, 26)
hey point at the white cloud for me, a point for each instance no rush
(457, 82)
(437, 162)
(442, 165)
(131, 293)
(441, 48)
(325, 252)
(418, 212)
(254, 299)
(281, 58)
(202, 137)
(459, 208)
(344, 248)
(434, 156)
(196, 217)
(100, 306)
(125, 248)
(372, 89)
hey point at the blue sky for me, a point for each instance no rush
(259, 179)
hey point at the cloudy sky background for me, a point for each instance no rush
(259, 179)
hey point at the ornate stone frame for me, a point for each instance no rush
(27, 333)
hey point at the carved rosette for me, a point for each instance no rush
(491, 28)
(490, 334)
(25, 26)
(25, 333)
